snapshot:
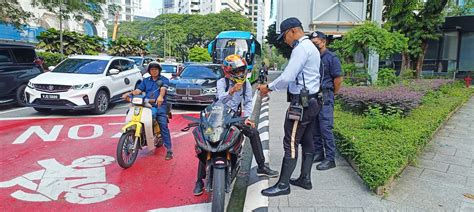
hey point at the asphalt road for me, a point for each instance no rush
(11, 111)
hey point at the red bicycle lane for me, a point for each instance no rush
(69, 164)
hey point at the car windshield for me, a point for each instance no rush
(226, 47)
(168, 68)
(202, 72)
(81, 66)
(137, 60)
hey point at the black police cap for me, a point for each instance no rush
(288, 24)
(318, 34)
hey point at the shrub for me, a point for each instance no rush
(404, 97)
(386, 77)
(381, 153)
(51, 59)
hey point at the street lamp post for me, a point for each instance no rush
(61, 48)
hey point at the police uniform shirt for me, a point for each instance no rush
(305, 58)
(332, 69)
(150, 88)
(234, 100)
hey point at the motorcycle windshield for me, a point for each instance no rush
(213, 121)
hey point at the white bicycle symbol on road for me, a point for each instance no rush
(82, 182)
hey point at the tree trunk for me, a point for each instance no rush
(419, 62)
(406, 63)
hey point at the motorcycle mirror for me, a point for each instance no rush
(159, 83)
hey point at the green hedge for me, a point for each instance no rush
(381, 153)
(51, 59)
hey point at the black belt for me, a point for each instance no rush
(297, 96)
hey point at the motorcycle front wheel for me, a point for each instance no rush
(126, 153)
(218, 190)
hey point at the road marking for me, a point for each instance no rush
(86, 116)
(13, 110)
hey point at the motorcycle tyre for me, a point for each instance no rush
(218, 190)
(120, 159)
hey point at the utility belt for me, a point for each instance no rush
(298, 105)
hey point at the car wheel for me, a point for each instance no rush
(42, 110)
(101, 102)
(20, 96)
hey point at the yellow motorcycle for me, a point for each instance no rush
(140, 130)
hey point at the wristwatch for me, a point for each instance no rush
(269, 88)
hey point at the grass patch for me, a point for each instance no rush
(382, 152)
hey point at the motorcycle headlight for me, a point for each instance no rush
(209, 90)
(31, 85)
(214, 135)
(137, 101)
(83, 86)
(136, 111)
(171, 89)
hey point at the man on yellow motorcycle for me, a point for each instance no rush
(233, 90)
(159, 110)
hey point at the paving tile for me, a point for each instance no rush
(445, 178)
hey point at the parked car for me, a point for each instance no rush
(17, 67)
(170, 70)
(141, 62)
(196, 85)
(83, 83)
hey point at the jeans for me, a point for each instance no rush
(160, 114)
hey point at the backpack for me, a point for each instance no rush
(227, 85)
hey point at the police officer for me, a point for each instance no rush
(301, 78)
(324, 145)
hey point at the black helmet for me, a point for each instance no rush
(153, 65)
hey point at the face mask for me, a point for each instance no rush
(294, 44)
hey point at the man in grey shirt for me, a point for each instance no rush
(302, 79)
(233, 90)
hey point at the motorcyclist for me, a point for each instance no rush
(231, 92)
(156, 95)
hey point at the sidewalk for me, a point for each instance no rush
(438, 181)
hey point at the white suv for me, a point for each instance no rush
(83, 83)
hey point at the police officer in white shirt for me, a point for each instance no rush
(301, 79)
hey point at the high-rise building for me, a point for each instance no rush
(131, 10)
(259, 14)
(170, 6)
(189, 7)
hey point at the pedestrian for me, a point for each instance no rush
(301, 79)
(234, 90)
(324, 144)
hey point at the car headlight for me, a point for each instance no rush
(31, 85)
(83, 86)
(171, 89)
(209, 90)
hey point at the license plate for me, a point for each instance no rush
(187, 98)
(49, 96)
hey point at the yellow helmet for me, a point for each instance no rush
(235, 68)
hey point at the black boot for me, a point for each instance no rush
(325, 165)
(282, 187)
(199, 187)
(318, 157)
(304, 181)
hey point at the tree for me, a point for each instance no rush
(74, 43)
(453, 9)
(125, 46)
(419, 21)
(199, 54)
(13, 14)
(282, 47)
(369, 37)
(175, 34)
(76, 9)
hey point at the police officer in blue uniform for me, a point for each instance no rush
(301, 79)
(160, 109)
(324, 144)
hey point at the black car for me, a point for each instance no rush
(196, 85)
(17, 67)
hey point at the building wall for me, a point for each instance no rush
(44, 19)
